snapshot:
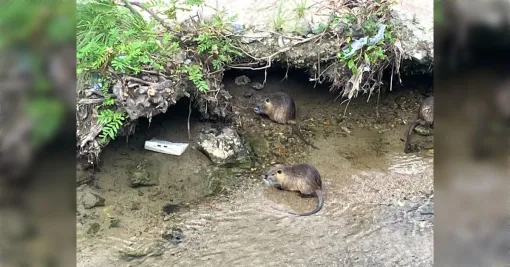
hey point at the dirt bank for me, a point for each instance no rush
(185, 54)
(378, 209)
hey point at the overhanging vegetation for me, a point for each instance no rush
(132, 66)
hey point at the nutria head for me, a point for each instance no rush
(263, 107)
(275, 175)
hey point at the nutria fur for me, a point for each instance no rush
(280, 108)
(425, 118)
(303, 178)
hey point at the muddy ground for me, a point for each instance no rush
(378, 209)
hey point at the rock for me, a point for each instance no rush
(242, 80)
(88, 199)
(173, 235)
(302, 27)
(259, 145)
(256, 85)
(155, 248)
(141, 175)
(94, 228)
(114, 223)
(224, 147)
(414, 19)
(171, 208)
(422, 130)
(135, 206)
(341, 27)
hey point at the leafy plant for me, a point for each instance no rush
(111, 121)
(221, 49)
(195, 75)
(110, 35)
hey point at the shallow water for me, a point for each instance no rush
(378, 208)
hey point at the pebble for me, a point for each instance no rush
(91, 200)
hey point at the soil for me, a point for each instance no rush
(378, 209)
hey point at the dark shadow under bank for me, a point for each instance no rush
(422, 82)
(177, 115)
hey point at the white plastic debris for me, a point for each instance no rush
(165, 147)
(359, 43)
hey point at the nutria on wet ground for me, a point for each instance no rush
(280, 108)
(425, 118)
(303, 178)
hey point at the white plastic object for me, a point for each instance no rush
(165, 147)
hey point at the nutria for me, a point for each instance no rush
(303, 178)
(425, 118)
(280, 108)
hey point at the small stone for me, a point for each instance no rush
(173, 235)
(248, 94)
(114, 223)
(256, 85)
(242, 80)
(422, 130)
(141, 178)
(340, 27)
(152, 249)
(91, 200)
(171, 208)
(94, 228)
(141, 175)
(135, 206)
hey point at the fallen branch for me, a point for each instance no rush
(283, 50)
(88, 101)
(94, 131)
(133, 79)
(154, 73)
(154, 15)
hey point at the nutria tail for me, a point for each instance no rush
(408, 137)
(320, 197)
(296, 132)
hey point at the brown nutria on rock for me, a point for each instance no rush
(280, 108)
(425, 118)
(303, 178)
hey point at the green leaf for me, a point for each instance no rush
(350, 64)
(367, 59)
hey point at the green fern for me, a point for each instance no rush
(111, 121)
(110, 35)
(195, 75)
(221, 49)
